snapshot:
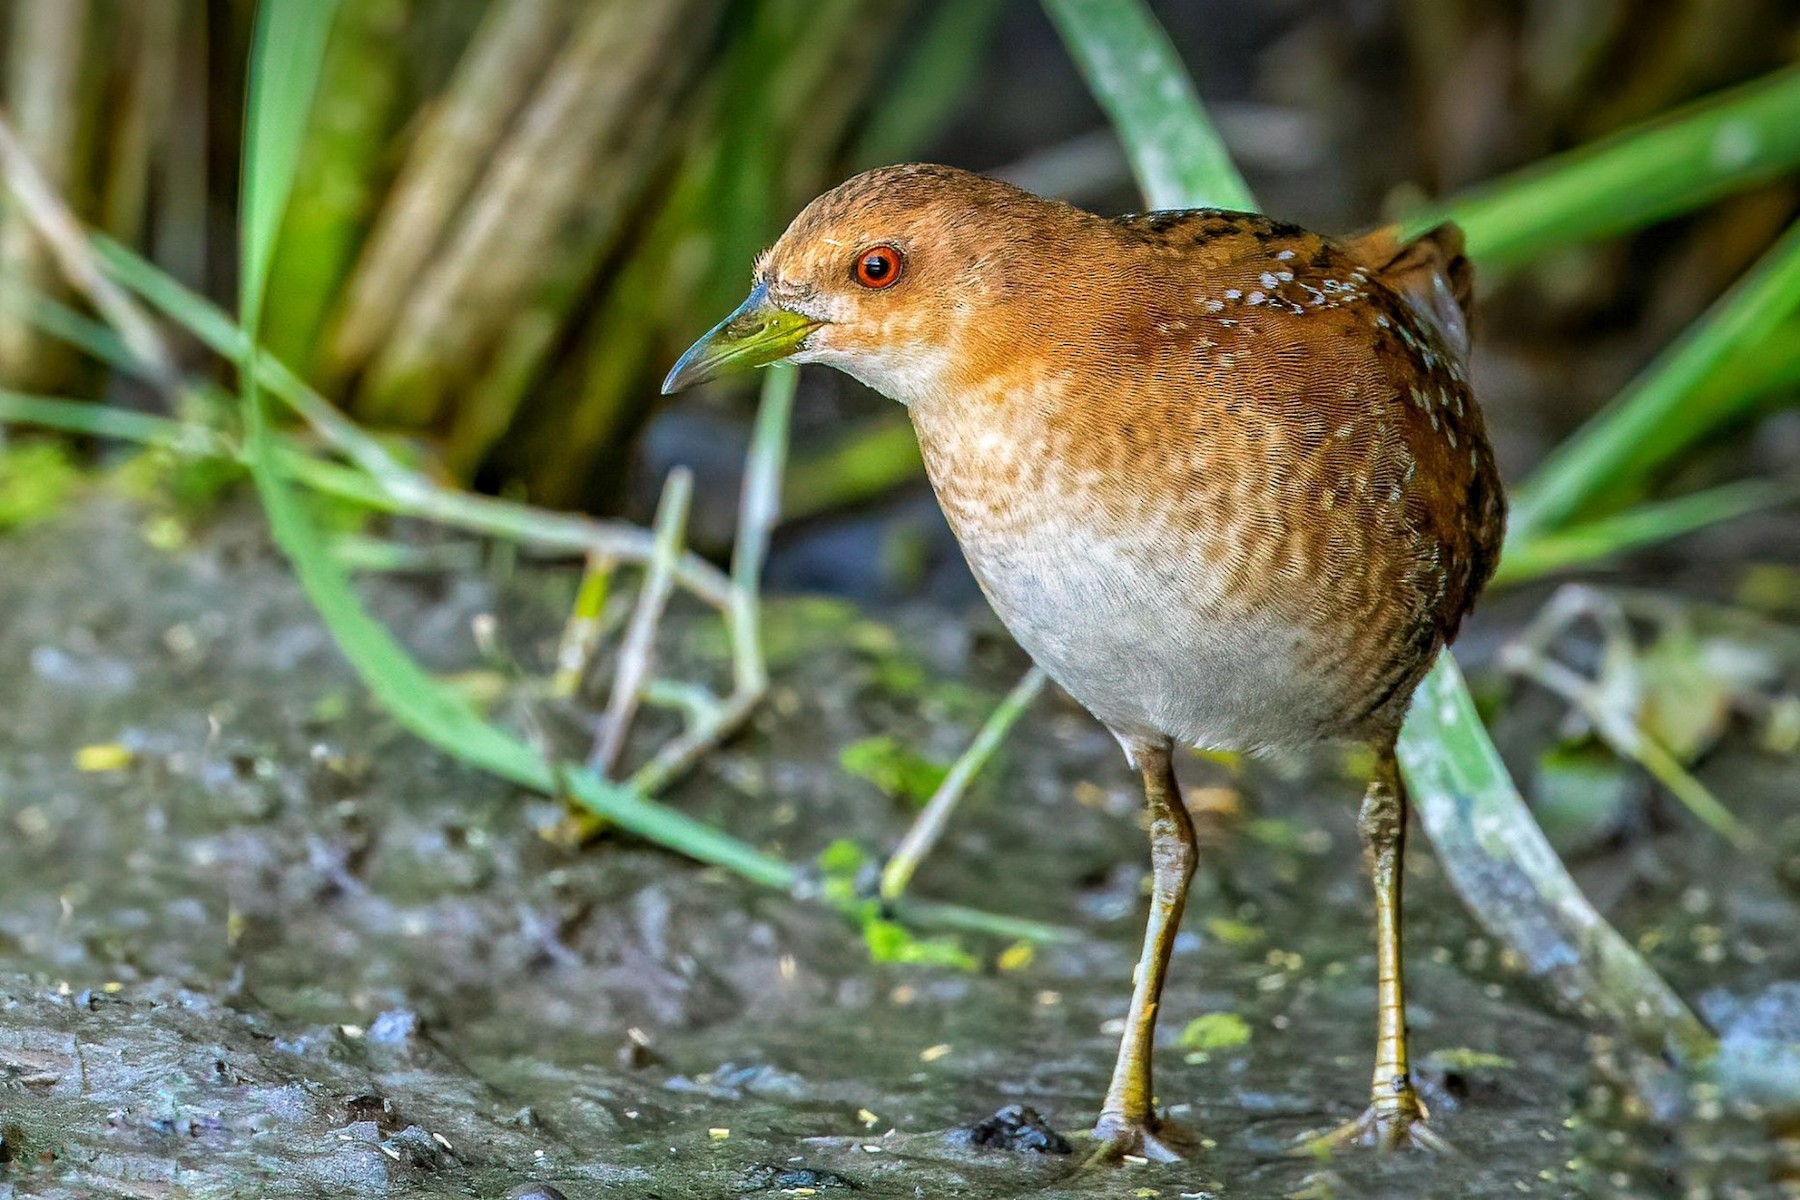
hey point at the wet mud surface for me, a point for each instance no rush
(257, 941)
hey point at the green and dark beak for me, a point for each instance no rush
(757, 334)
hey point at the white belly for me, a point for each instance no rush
(1143, 639)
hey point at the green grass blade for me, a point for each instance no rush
(89, 419)
(1176, 154)
(287, 52)
(1676, 163)
(1644, 525)
(206, 320)
(1489, 845)
(51, 316)
(214, 326)
(629, 810)
(1673, 404)
(341, 170)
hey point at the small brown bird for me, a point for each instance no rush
(1221, 477)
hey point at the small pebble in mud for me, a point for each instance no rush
(635, 1054)
(370, 1107)
(767, 1178)
(395, 1028)
(419, 1148)
(534, 1191)
(1014, 1127)
(1759, 1047)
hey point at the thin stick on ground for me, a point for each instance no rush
(581, 633)
(1529, 656)
(638, 652)
(759, 508)
(930, 823)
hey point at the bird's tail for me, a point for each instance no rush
(1430, 272)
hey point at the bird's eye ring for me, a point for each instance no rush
(878, 267)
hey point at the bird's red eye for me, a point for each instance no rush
(878, 267)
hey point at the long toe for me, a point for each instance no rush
(1119, 1140)
(1379, 1129)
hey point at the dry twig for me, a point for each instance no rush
(639, 649)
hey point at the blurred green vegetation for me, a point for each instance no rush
(506, 215)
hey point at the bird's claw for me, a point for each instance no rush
(1118, 1139)
(1383, 1128)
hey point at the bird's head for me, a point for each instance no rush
(900, 277)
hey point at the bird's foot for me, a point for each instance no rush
(1118, 1139)
(1382, 1127)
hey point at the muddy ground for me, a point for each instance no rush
(286, 950)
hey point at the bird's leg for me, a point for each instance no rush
(1127, 1125)
(1395, 1117)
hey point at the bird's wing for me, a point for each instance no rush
(1430, 272)
(1352, 355)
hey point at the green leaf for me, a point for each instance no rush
(1461, 1058)
(891, 942)
(1233, 932)
(893, 766)
(843, 859)
(36, 479)
(1215, 1031)
(103, 420)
